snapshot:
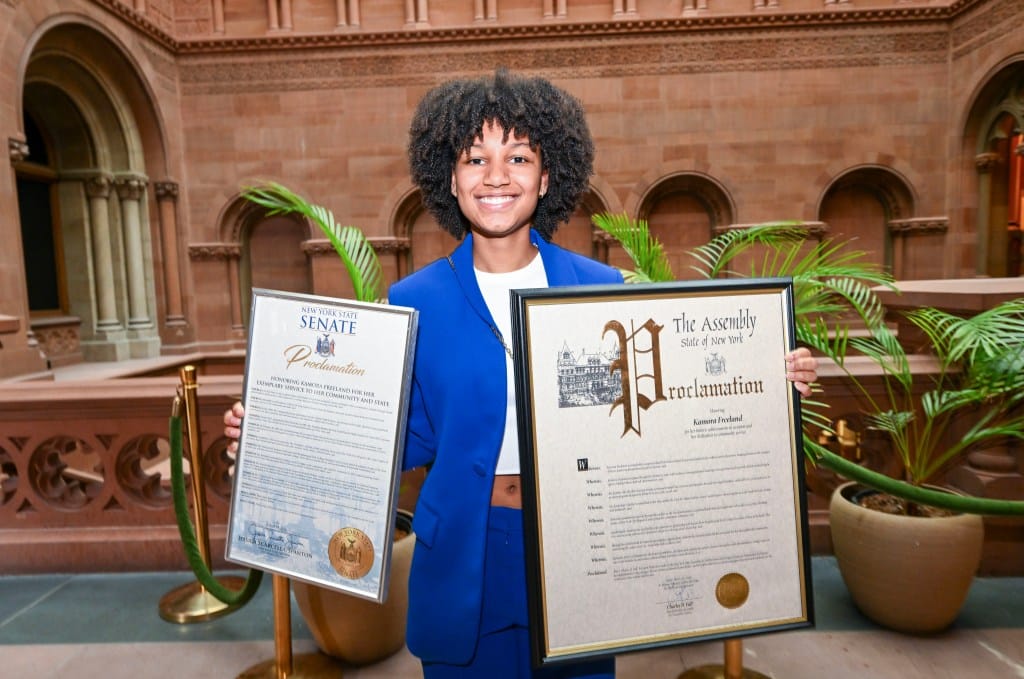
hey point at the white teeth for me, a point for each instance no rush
(495, 200)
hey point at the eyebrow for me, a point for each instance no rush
(513, 142)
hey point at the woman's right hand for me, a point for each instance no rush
(233, 425)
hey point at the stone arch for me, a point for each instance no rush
(419, 238)
(867, 204)
(263, 251)
(992, 167)
(80, 86)
(683, 210)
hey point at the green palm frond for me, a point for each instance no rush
(643, 248)
(356, 252)
(988, 333)
(715, 256)
(835, 289)
(884, 348)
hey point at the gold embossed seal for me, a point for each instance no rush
(351, 553)
(732, 590)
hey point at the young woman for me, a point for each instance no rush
(500, 162)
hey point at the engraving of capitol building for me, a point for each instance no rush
(586, 378)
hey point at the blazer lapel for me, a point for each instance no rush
(557, 265)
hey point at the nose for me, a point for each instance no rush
(496, 175)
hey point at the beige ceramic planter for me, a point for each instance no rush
(353, 629)
(904, 572)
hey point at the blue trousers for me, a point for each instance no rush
(503, 650)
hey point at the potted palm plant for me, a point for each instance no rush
(347, 627)
(908, 552)
(973, 397)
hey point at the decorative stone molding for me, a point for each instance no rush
(642, 54)
(143, 22)
(814, 230)
(389, 245)
(985, 162)
(918, 226)
(558, 30)
(17, 148)
(130, 187)
(319, 247)
(212, 251)
(98, 185)
(194, 37)
(997, 19)
(166, 190)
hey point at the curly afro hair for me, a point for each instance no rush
(452, 115)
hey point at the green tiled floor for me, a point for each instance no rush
(108, 626)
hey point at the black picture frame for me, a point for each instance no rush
(569, 601)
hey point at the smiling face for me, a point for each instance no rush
(498, 184)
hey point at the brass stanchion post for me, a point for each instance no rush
(284, 665)
(191, 602)
(731, 669)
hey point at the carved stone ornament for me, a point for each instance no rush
(382, 245)
(130, 188)
(919, 226)
(204, 251)
(984, 162)
(18, 149)
(318, 247)
(811, 229)
(98, 185)
(166, 190)
(388, 245)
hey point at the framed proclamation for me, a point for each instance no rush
(662, 463)
(316, 477)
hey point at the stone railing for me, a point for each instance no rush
(84, 481)
(85, 473)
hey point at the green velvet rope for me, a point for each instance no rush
(188, 534)
(926, 496)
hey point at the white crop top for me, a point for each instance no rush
(495, 287)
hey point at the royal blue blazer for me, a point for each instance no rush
(456, 424)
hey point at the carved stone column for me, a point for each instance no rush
(416, 11)
(130, 190)
(167, 202)
(235, 287)
(485, 10)
(218, 16)
(97, 188)
(273, 20)
(348, 13)
(286, 15)
(984, 162)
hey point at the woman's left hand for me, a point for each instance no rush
(801, 370)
